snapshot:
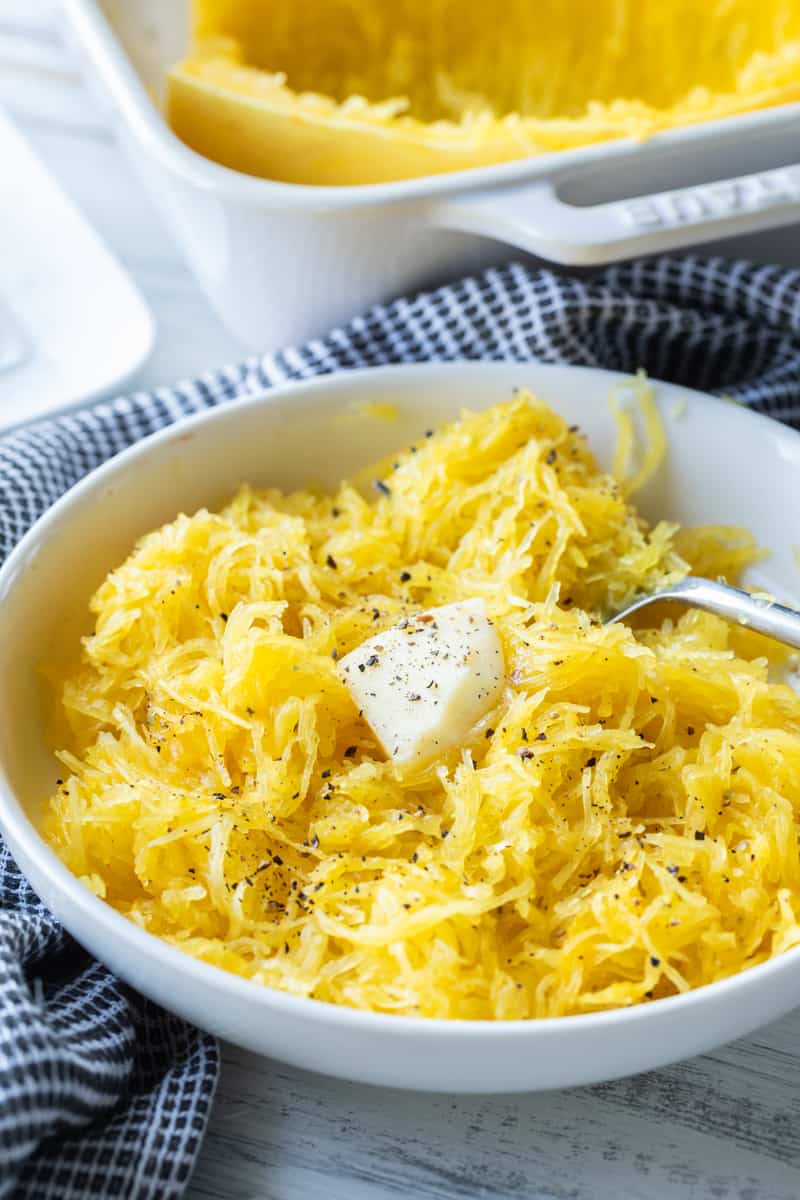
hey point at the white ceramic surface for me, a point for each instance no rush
(72, 323)
(283, 262)
(286, 438)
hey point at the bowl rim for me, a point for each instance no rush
(23, 837)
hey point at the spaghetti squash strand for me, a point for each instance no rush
(623, 827)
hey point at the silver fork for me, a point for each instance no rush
(764, 616)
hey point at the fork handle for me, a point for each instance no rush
(764, 616)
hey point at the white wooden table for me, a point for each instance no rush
(722, 1127)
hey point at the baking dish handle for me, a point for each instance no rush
(534, 217)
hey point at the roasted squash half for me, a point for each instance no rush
(363, 91)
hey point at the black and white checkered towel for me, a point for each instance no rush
(102, 1094)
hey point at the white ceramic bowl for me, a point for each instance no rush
(724, 465)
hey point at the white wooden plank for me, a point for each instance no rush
(723, 1126)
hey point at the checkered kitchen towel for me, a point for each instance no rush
(101, 1094)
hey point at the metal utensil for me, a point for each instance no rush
(754, 612)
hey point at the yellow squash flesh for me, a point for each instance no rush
(354, 92)
(623, 827)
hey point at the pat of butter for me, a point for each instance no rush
(425, 683)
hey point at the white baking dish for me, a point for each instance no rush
(282, 262)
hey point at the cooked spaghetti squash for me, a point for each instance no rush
(623, 826)
(356, 91)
